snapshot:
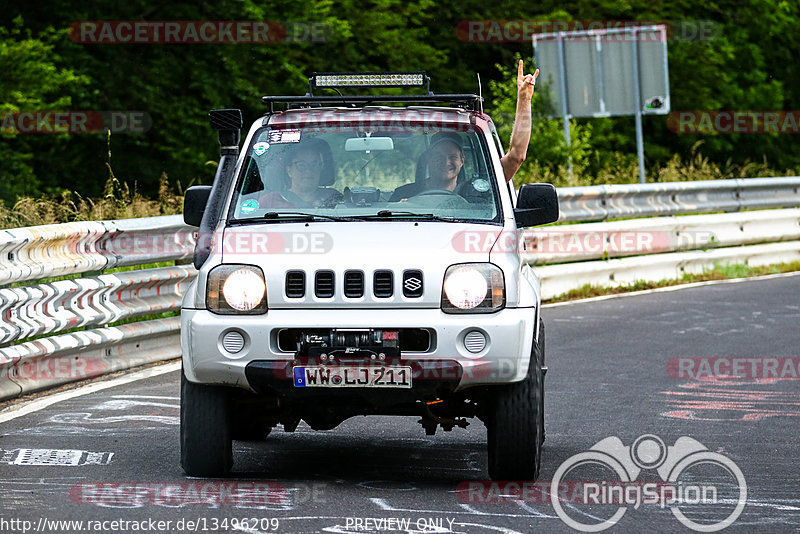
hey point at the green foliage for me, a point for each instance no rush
(32, 80)
(746, 63)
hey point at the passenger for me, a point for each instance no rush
(445, 157)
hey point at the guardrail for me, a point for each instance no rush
(565, 256)
(604, 202)
(62, 303)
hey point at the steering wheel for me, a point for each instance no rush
(431, 192)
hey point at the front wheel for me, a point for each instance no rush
(515, 424)
(205, 430)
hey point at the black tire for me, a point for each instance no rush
(205, 430)
(542, 364)
(515, 423)
(244, 431)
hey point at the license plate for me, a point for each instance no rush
(352, 377)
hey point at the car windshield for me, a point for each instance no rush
(360, 175)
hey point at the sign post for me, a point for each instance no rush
(606, 73)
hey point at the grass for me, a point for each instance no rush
(718, 272)
(624, 169)
(119, 201)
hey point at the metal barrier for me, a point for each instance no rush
(602, 202)
(565, 256)
(63, 303)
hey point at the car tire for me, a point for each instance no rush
(542, 365)
(206, 449)
(515, 424)
(244, 431)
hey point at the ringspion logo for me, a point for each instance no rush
(705, 491)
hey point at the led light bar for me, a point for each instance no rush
(369, 79)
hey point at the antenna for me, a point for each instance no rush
(480, 91)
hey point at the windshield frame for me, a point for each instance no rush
(324, 214)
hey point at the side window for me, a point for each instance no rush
(252, 178)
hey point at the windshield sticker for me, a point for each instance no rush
(481, 185)
(249, 206)
(284, 136)
(260, 148)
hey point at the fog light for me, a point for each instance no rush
(475, 341)
(233, 342)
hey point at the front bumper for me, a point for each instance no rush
(504, 359)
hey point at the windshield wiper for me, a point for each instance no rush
(388, 214)
(295, 215)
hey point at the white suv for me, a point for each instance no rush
(363, 259)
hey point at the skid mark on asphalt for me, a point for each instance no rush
(699, 401)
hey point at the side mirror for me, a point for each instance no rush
(194, 204)
(536, 204)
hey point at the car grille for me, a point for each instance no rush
(353, 284)
(324, 284)
(382, 284)
(295, 284)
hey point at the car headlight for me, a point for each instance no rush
(236, 289)
(473, 288)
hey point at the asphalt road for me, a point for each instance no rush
(618, 368)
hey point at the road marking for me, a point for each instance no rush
(39, 404)
(671, 288)
(62, 457)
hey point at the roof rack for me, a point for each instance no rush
(333, 80)
(467, 101)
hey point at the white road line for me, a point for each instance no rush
(671, 288)
(19, 410)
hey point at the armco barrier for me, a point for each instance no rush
(565, 257)
(658, 235)
(558, 279)
(604, 202)
(65, 304)
(57, 360)
(62, 305)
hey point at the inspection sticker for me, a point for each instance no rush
(284, 136)
(260, 148)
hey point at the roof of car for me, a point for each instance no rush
(395, 116)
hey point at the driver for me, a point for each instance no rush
(444, 160)
(305, 169)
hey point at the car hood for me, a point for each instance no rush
(397, 246)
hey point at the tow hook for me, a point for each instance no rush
(431, 421)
